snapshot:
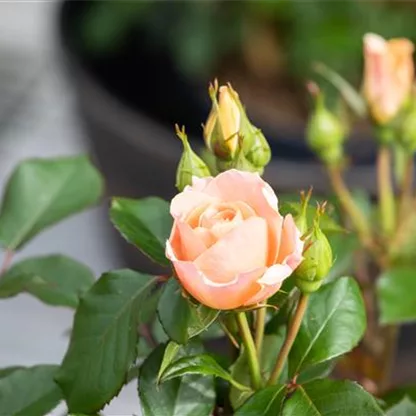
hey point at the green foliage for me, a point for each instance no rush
(56, 280)
(329, 397)
(199, 364)
(104, 339)
(191, 395)
(265, 402)
(41, 192)
(146, 223)
(333, 324)
(171, 352)
(29, 391)
(180, 318)
(396, 295)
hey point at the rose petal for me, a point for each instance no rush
(276, 274)
(186, 244)
(290, 240)
(263, 294)
(188, 200)
(216, 296)
(243, 248)
(234, 185)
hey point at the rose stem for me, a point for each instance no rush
(385, 190)
(406, 188)
(259, 335)
(290, 338)
(358, 219)
(250, 349)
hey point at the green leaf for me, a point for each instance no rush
(199, 364)
(186, 396)
(41, 192)
(180, 318)
(321, 370)
(55, 280)
(146, 223)
(148, 308)
(265, 402)
(328, 398)
(333, 324)
(396, 295)
(29, 391)
(104, 340)
(171, 351)
(8, 370)
(405, 408)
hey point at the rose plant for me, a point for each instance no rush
(255, 314)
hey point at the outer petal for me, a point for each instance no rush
(185, 242)
(270, 282)
(291, 243)
(242, 249)
(228, 296)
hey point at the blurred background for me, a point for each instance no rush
(111, 78)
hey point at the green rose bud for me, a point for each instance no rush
(317, 261)
(325, 132)
(190, 164)
(240, 162)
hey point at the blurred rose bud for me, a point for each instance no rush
(229, 244)
(325, 132)
(317, 261)
(190, 164)
(224, 121)
(388, 75)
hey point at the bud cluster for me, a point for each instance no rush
(230, 138)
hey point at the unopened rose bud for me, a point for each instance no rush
(190, 164)
(228, 130)
(317, 261)
(388, 75)
(224, 121)
(325, 133)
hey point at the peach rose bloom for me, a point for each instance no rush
(388, 75)
(229, 245)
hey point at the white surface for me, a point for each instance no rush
(45, 125)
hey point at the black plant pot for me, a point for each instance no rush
(128, 103)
